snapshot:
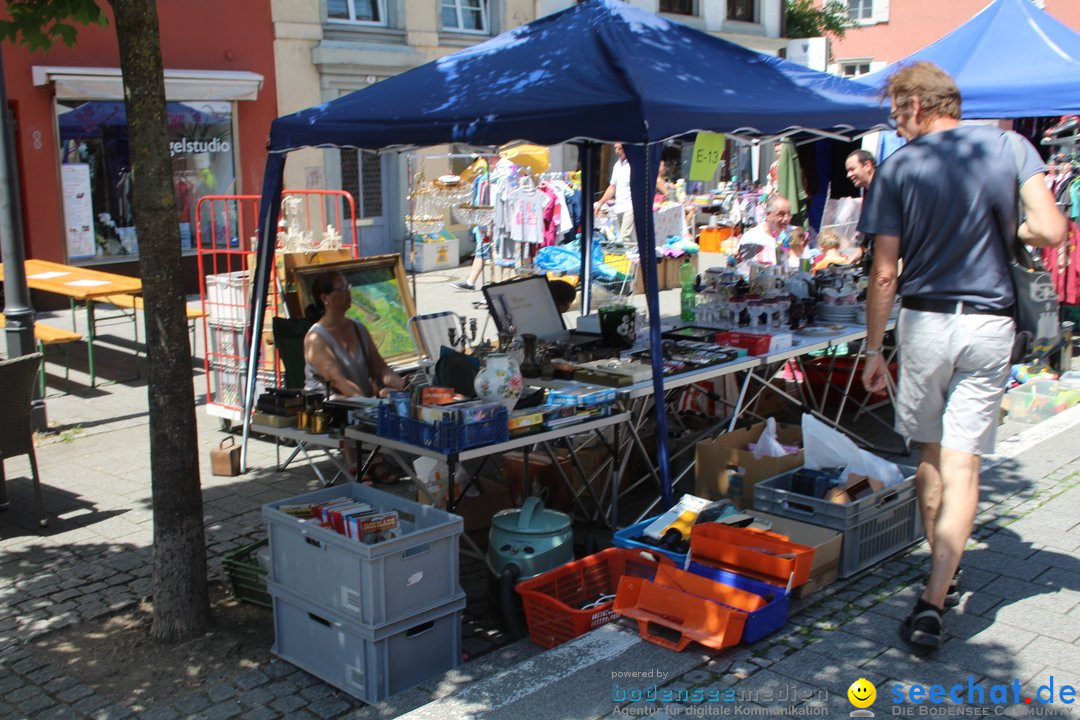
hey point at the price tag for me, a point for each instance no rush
(708, 150)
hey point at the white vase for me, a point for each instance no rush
(499, 380)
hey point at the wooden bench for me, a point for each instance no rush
(126, 301)
(51, 335)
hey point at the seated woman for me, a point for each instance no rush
(339, 350)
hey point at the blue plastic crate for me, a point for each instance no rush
(443, 436)
(759, 623)
(630, 537)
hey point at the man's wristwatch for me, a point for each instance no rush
(871, 353)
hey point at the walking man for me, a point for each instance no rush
(938, 203)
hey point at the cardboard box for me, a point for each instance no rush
(476, 510)
(671, 267)
(661, 278)
(826, 544)
(436, 255)
(725, 468)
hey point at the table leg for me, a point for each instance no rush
(615, 483)
(90, 340)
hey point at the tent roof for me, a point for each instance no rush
(601, 70)
(1010, 60)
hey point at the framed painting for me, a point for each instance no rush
(380, 300)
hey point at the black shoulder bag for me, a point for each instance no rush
(1037, 312)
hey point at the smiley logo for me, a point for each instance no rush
(862, 693)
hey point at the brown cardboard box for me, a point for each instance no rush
(661, 278)
(477, 510)
(544, 480)
(672, 265)
(726, 468)
(826, 543)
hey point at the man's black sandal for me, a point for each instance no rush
(952, 597)
(923, 627)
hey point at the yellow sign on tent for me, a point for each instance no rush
(708, 150)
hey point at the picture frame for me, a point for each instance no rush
(381, 300)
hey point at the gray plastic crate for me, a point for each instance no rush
(873, 527)
(370, 664)
(369, 584)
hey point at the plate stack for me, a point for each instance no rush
(844, 314)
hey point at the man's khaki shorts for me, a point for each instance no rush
(953, 372)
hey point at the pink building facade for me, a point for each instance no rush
(889, 31)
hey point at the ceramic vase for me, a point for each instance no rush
(499, 380)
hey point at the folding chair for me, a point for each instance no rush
(289, 336)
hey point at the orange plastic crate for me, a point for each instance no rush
(553, 600)
(752, 552)
(680, 607)
(711, 239)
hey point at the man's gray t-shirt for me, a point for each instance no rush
(945, 194)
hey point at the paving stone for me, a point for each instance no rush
(8, 682)
(111, 712)
(281, 688)
(223, 711)
(23, 692)
(277, 669)
(159, 713)
(317, 691)
(328, 707)
(697, 677)
(73, 693)
(251, 678)
(57, 684)
(38, 701)
(256, 697)
(219, 692)
(260, 713)
(57, 712)
(287, 704)
(90, 703)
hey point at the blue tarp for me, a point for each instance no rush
(601, 70)
(1011, 60)
(598, 71)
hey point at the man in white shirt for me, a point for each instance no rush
(619, 189)
(758, 244)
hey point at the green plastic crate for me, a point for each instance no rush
(247, 578)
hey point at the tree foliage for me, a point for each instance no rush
(38, 24)
(804, 20)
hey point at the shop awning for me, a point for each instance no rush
(85, 83)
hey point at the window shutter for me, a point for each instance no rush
(881, 11)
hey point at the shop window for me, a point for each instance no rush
(95, 169)
(361, 175)
(465, 15)
(358, 11)
(678, 7)
(742, 10)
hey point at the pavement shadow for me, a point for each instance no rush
(66, 511)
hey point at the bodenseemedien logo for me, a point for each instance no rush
(862, 694)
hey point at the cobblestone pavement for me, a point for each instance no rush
(1020, 615)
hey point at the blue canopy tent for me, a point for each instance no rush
(600, 71)
(1011, 60)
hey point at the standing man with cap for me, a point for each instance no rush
(938, 204)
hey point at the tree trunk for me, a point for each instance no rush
(181, 601)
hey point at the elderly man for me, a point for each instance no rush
(860, 168)
(758, 244)
(941, 203)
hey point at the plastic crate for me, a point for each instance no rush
(370, 664)
(630, 537)
(247, 579)
(226, 298)
(369, 584)
(443, 437)
(680, 607)
(553, 600)
(759, 623)
(874, 527)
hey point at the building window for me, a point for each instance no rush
(860, 9)
(95, 171)
(678, 7)
(853, 69)
(742, 10)
(465, 15)
(361, 175)
(358, 11)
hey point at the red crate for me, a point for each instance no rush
(553, 600)
(754, 343)
(817, 376)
